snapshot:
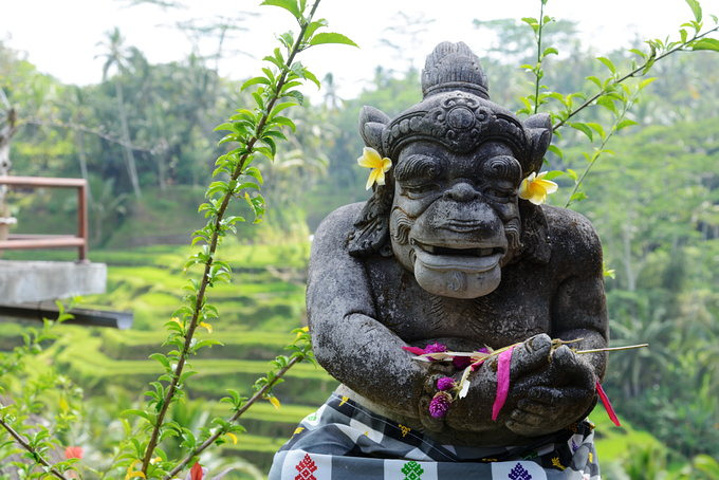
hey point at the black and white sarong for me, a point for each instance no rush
(343, 440)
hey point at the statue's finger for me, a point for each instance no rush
(532, 355)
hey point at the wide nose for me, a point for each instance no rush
(462, 192)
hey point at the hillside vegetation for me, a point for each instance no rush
(650, 188)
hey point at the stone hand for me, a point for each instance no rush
(474, 411)
(553, 398)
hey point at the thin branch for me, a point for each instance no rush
(537, 79)
(35, 454)
(257, 396)
(631, 74)
(172, 389)
(613, 349)
(99, 133)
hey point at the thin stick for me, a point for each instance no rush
(33, 452)
(612, 349)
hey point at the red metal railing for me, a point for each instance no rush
(23, 241)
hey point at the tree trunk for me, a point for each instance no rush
(127, 149)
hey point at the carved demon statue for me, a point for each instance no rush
(446, 253)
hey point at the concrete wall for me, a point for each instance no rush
(24, 281)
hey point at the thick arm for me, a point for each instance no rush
(579, 305)
(565, 392)
(348, 341)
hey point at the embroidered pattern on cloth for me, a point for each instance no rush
(343, 440)
(412, 471)
(306, 467)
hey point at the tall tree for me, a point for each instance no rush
(117, 56)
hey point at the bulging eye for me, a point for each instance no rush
(419, 190)
(500, 194)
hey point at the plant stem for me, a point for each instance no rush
(252, 400)
(172, 389)
(627, 105)
(586, 171)
(612, 349)
(24, 444)
(631, 74)
(537, 76)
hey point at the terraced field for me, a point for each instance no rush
(258, 310)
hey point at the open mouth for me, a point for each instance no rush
(468, 259)
(459, 252)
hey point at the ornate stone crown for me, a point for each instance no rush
(457, 113)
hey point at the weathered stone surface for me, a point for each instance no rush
(446, 252)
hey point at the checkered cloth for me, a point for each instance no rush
(343, 440)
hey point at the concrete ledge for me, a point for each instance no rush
(23, 281)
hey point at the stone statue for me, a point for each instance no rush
(445, 256)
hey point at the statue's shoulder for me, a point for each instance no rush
(572, 236)
(333, 232)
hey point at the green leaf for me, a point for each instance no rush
(595, 81)
(161, 358)
(638, 53)
(255, 173)
(625, 123)
(550, 51)
(597, 128)
(532, 22)
(279, 107)
(608, 63)
(706, 44)
(327, 37)
(556, 150)
(136, 412)
(312, 27)
(287, 39)
(696, 9)
(254, 81)
(289, 5)
(584, 128)
(578, 197)
(311, 77)
(552, 174)
(607, 103)
(646, 82)
(285, 122)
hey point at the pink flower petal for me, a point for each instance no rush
(504, 360)
(73, 452)
(415, 350)
(477, 364)
(607, 405)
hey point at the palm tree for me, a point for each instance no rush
(118, 56)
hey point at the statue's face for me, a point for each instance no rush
(455, 219)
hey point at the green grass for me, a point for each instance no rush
(257, 311)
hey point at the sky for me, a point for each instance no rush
(61, 37)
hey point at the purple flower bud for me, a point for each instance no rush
(445, 383)
(460, 363)
(435, 348)
(439, 406)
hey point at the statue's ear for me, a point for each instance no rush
(371, 125)
(535, 239)
(371, 229)
(539, 131)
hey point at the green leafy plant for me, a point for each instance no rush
(616, 94)
(253, 133)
